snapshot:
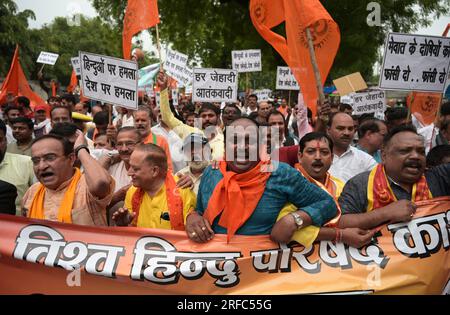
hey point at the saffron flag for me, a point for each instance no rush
(298, 15)
(424, 105)
(17, 84)
(73, 82)
(139, 15)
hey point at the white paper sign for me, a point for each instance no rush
(263, 95)
(214, 85)
(175, 97)
(149, 91)
(109, 79)
(286, 79)
(246, 60)
(47, 58)
(76, 65)
(415, 62)
(176, 67)
(371, 102)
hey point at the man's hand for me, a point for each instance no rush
(111, 133)
(185, 181)
(356, 237)
(324, 111)
(81, 139)
(284, 229)
(400, 211)
(198, 228)
(162, 80)
(123, 217)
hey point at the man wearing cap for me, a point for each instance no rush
(209, 114)
(41, 122)
(198, 154)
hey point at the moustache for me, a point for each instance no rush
(412, 164)
(318, 164)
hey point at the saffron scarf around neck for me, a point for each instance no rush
(236, 196)
(65, 209)
(329, 187)
(174, 202)
(380, 194)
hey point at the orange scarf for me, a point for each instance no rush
(65, 209)
(173, 201)
(236, 197)
(380, 194)
(329, 187)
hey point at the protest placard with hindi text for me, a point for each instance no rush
(262, 95)
(286, 79)
(76, 65)
(109, 79)
(214, 85)
(371, 102)
(176, 67)
(415, 62)
(175, 97)
(47, 58)
(246, 60)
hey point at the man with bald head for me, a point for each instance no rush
(388, 193)
(347, 160)
(154, 201)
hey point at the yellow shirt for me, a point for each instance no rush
(183, 130)
(306, 236)
(154, 209)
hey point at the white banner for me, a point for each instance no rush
(214, 85)
(286, 79)
(415, 62)
(176, 67)
(149, 91)
(175, 97)
(371, 102)
(76, 65)
(109, 79)
(246, 60)
(158, 98)
(263, 95)
(47, 58)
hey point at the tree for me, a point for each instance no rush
(211, 29)
(13, 30)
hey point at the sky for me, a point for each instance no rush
(47, 10)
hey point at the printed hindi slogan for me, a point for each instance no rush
(214, 85)
(176, 66)
(246, 60)
(47, 58)
(371, 102)
(109, 79)
(76, 65)
(286, 79)
(415, 62)
(262, 95)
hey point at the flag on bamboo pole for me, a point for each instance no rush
(73, 82)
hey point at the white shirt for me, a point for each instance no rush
(127, 120)
(119, 172)
(248, 110)
(429, 136)
(175, 146)
(351, 163)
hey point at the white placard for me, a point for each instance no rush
(263, 95)
(246, 60)
(188, 89)
(176, 66)
(415, 62)
(47, 58)
(149, 91)
(286, 79)
(371, 102)
(76, 65)
(175, 97)
(109, 79)
(214, 85)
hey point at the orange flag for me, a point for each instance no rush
(73, 82)
(424, 105)
(17, 84)
(298, 15)
(139, 15)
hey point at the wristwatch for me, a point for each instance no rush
(297, 219)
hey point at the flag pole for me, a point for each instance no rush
(317, 77)
(158, 46)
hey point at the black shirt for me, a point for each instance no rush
(353, 198)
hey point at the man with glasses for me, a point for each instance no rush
(63, 193)
(230, 113)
